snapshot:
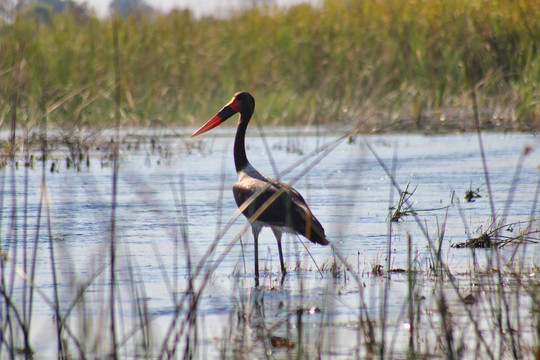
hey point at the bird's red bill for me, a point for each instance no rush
(210, 124)
(228, 110)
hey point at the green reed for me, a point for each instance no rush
(408, 65)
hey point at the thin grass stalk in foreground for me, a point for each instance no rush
(36, 241)
(500, 284)
(470, 73)
(141, 310)
(299, 320)
(26, 288)
(6, 327)
(13, 243)
(267, 149)
(384, 307)
(516, 347)
(183, 225)
(174, 290)
(116, 56)
(491, 203)
(513, 184)
(13, 239)
(411, 282)
(62, 351)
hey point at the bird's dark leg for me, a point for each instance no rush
(277, 234)
(256, 241)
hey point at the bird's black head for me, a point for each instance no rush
(247, 103)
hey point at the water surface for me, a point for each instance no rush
(174, 191)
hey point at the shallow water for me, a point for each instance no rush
(180, 189)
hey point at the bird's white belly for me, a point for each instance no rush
(258, 225)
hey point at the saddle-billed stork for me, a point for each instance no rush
(268, 202)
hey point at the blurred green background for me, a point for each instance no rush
(386, 65)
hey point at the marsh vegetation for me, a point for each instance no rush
(388, 65)
(120, 238)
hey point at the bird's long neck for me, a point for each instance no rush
(240, 158)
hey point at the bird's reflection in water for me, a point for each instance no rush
(264, 326)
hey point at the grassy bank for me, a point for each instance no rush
(390, 65)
